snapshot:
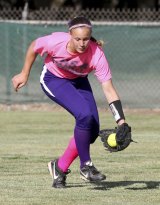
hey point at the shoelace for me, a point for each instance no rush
(93, 169)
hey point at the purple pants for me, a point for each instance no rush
(77, 98)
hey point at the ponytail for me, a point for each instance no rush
(98, 42)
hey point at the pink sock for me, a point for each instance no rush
(68, 156)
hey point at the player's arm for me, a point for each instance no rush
(113, 101)
(21, 79)
(122, 134)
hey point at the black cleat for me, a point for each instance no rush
(59, 177)
(90, 173)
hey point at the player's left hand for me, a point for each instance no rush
(123, 137)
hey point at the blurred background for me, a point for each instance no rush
(81, 4)
(129, 28)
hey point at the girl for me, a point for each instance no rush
(70, 57)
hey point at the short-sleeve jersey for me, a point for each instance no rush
(72, 65)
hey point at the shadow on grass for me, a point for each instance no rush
(75, 185)
(130, 185)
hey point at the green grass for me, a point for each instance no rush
(29, 139)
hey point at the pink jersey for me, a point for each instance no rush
(66, 65)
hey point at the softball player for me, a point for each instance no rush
(70, 57)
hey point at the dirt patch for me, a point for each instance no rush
(52, 107)
(29, 107)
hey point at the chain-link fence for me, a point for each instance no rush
(132, 50)
(69, 12)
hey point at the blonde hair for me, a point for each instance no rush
(98, 42)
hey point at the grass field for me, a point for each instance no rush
(29, 139)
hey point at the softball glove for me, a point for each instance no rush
(121, 135)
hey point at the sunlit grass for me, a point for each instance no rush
(29, 139)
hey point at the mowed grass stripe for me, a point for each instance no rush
(29, 139)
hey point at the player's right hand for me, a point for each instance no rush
(19, 81)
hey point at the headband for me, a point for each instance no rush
(80, 25)
(79, 21)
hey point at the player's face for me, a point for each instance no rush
(80, 38)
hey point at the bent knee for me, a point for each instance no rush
(85, 121)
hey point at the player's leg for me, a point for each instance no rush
(66, 95)
(71, 151)
(69, 155)
(88, 170)
(64, 92)
(86, 90)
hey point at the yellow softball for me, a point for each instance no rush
(112, 140)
